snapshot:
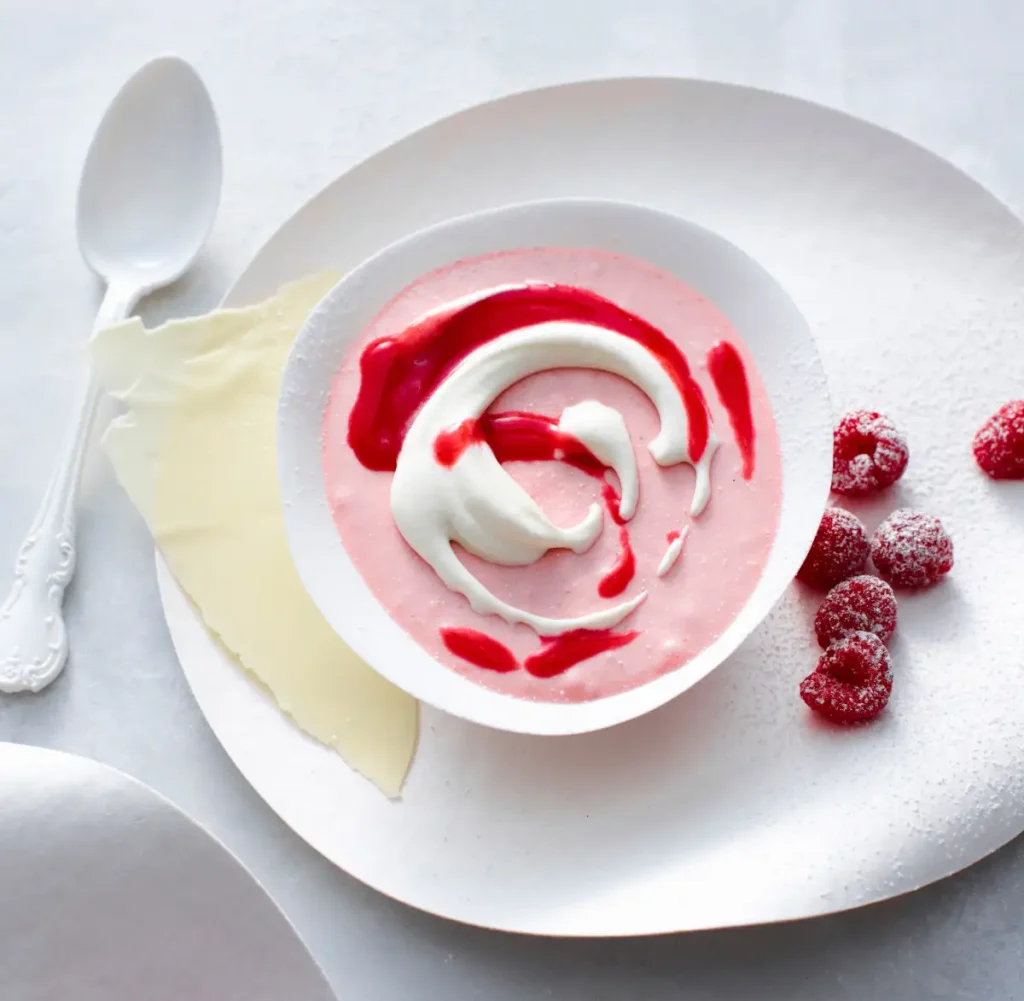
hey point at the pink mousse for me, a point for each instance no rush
(724, 553)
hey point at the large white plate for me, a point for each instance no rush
(729, 805)
(110, 893)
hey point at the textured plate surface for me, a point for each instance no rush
(727, 806)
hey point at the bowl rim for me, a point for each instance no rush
(313, 540)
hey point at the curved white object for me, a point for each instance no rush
(112, 892)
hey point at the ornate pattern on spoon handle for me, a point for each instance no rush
(33, 638)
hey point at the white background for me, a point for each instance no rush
(304, 90)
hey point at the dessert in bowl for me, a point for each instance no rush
(546, 466)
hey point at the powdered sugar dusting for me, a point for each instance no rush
(870, 453)
(999, 444)
(852, 682)
(912, 550)
(861, 604)
(840, 549)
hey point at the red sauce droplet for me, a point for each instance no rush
(558, 653)
(730, 379)
(672, 536)
(449, 445)
(397, 374)
(617, 579)
(479, 649)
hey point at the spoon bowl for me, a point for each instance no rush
(152, 177)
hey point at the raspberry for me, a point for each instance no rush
(858, 605)
(868, 453)
(840, 549)
(999, 444)
(853, 680)
(911, 549)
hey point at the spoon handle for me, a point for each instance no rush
(33, 639)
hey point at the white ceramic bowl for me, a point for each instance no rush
(760, 312)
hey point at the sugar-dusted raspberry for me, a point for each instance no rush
(853, 680)
(868, 453)
(840, 550)
(911, 549)
(859, 605)
(999, 444)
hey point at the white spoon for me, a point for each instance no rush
(146, 202)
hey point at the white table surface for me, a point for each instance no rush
(304, 90)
